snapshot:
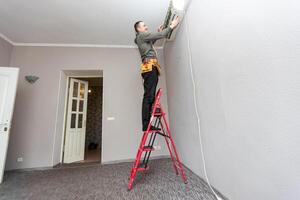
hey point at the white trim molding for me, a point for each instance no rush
(6, 39)
(79, 45)
(70, 45)
(73, 45)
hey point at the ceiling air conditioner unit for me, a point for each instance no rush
(171, 14)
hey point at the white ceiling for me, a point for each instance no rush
(93, 22)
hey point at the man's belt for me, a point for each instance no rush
(148, 59)
(148, 63)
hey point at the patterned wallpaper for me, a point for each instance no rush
(94, 116)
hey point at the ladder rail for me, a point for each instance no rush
(137, 160)
(184, 178)
(172, 156)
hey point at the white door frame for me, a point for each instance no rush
(66, 111)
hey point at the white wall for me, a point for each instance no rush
(246, 56)
(5, 52)
(33, 130)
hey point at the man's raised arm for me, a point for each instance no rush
(159, 35)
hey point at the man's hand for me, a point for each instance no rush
(160, 28)
(175, 22)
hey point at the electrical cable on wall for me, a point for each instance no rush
(196, 105)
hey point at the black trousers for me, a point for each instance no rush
(150, 83)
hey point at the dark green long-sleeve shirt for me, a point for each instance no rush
(146, 40)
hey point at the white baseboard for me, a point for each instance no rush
(85, 164)
(131, 160)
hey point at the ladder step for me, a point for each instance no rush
(148, 148)
(153, 129)
(158, 114)
(142, 167)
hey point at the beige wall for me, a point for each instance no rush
(5, 52)
(34, 122)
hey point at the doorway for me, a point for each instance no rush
(83, 127)
(93, 140)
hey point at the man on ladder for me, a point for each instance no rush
(150, 67)
(150, 72)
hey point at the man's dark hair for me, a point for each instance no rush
(136, 25)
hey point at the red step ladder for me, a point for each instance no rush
(158, 119)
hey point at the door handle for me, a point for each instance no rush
(5, 126)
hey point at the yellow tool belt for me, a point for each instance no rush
(148, 64)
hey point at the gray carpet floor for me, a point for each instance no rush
(103, 182)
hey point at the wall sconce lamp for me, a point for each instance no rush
(31, 79)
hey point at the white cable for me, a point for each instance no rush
(196, 106)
